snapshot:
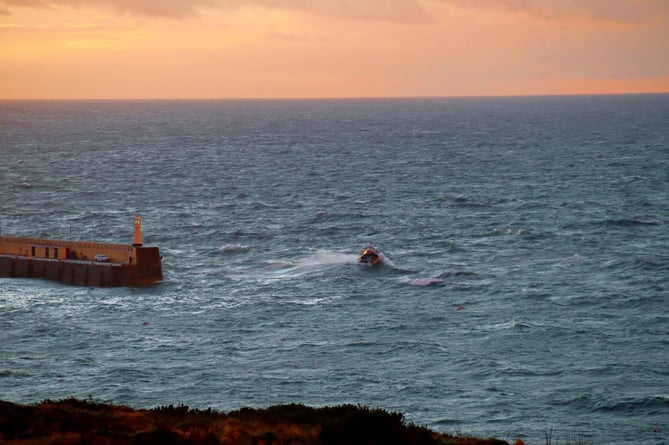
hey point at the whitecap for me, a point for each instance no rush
(230, 248)
(422, 281)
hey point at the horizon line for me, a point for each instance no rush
(309, 98)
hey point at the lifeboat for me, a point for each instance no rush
(369, 256)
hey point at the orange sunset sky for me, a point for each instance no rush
(115, 49)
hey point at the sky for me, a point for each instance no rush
(211, 49)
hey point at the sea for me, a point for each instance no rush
(523, 292)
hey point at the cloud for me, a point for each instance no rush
(397, 11)
(393, 11)
(617, 11)
(159, 8)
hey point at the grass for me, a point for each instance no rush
(73, 421)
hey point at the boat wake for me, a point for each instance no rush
(313, 263)
(321, 261)
(385, 260)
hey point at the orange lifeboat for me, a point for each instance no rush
(369, 256)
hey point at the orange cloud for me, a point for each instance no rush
(619, 11)
(398, 11)
(161, 8)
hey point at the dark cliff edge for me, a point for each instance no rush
(73, 421)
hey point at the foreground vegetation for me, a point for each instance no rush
(73, 421)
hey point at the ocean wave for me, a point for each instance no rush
(8, 374)
(643, 406)
(643, 263)
(232, 248)
(627, 222)
(510, 325)
(422, 281)
(466, 202)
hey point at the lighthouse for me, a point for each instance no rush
(137, 241)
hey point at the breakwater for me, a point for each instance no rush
(81, 263)
(85, 273)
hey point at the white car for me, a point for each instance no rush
(102, 258)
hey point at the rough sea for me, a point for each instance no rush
(524, 291)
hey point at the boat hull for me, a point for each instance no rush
(369, 259)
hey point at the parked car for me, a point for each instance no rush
(102, 258)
